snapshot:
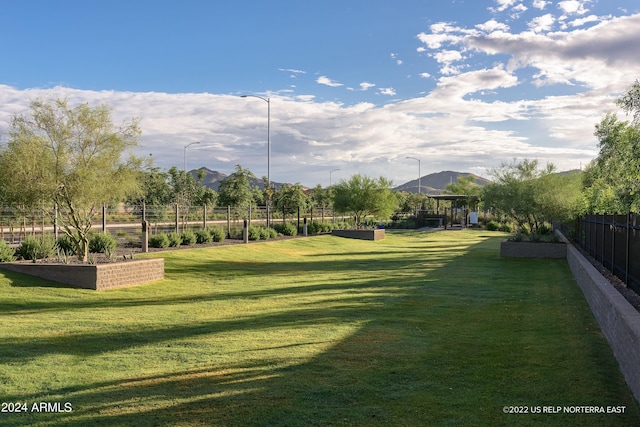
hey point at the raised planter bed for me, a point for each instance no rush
(377, 234)
(94, 276)
(511, 249)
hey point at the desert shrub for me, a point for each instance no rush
(6, 252)
(493, 226)
(286, 229)
(271, 233)
(254, 233)
(217, 234)
(507, 228)
(544, 229)
(159, 241)
(41, 247)
(188, 237)
(174, 239)
(102, 243)
(203, 236)
(65, 244)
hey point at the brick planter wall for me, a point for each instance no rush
(94, 276)
(377, 234)
(532, 250)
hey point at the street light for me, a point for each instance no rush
(419, 173)
(185, 154)
(268, 101)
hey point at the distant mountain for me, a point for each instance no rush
(212, 179)
(436, 183)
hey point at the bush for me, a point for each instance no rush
(65, 244)
(507, 228)
(217, 234)
(159, 241)
(34, 248)
(255, 233)
(174, 239)
(271, 233)
(203, 236)
(493, 226)
(188, 237)
(286, 229)
(102, 243)
(6, 252)
(544, 229)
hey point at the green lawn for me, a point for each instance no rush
(417, 329)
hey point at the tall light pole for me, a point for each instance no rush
(268, 101)
(419, 173)
(185, 154)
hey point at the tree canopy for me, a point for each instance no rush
(531, 196)
(236, 189)
(364, 196)
(612, 180)
(70, 158)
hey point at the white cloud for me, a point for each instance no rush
(518, 10)
(366, 85)
(540, 4)
(581, 21)
(387, 91)
(323, 80)
(502, 5)
(574, 7)
(425, 75)
(542, 23)
(492, 25)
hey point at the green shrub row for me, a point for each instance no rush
(188, 237)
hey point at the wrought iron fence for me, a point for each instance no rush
(614, 241)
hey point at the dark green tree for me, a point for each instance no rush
(236, 190)
(364, 196)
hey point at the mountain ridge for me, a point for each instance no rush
(434, 183)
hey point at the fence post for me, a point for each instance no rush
(204, 217)
(628, 249)
(104, 217)
(177, 224)
(228, 222)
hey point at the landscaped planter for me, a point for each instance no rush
(94, 276)
(525, 249)
(377, 234)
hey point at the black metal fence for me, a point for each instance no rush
(613, 240)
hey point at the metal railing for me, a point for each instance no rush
(614, 241)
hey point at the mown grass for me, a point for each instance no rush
(417, 329)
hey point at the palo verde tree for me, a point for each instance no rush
(532, 197)
(364, 196)
(70, 158)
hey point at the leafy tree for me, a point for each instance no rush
(291, 197)
(236, 189)
(70, 158)
(532, 197)
(364, 196)
(465, 186)
(612, 180)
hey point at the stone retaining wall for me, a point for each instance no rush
(618, 320)
(377, 234)
(95, 276)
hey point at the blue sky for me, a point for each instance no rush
(354, 85)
